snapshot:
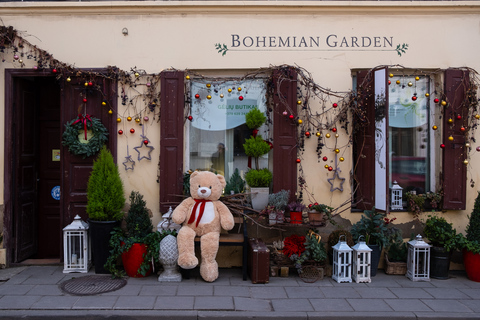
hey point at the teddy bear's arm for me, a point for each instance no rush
(181, 211)
(226, 218)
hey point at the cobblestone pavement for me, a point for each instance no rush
(34, 292)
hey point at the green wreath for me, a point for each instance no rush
(91, 145)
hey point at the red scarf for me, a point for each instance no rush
(194, 211)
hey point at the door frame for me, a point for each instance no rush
(8, 218)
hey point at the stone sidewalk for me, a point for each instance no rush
(34, 292)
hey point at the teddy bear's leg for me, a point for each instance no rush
(209, 249)
(186, 248)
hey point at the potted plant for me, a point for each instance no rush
(471, 243)
(275, 210)
(443, 238)
(317, 212)
(296, 208)
(333, 239)
(104, 206)
(396, 252)
(258, 179)
(372, 226)
(314, 255)
(235, 184)
(137, 244)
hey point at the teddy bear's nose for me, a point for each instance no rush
(203, 191)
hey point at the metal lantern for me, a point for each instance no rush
(362, 257)
(342, 262)
(418, 260)
(76, 247)
(396, 196)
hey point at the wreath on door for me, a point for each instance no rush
(84, 136)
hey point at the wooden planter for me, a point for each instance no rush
(395, 267)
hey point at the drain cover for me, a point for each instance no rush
(91, 285)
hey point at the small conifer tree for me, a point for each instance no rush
(138, 221)
(105, 189)
(473, 227)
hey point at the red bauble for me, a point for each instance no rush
(298, 160)
(335, 105)
(120, 131)
(190, 118)
(389, 82)
(291, 116)
(240, 98)
(325, 158)
(145, 142)
(84, 100)
(54, 70)
(442, 146)
(414, 98)
(90, 83)
(132, 130)
(315, 204)
(330, 168)
(334, 129)
(436, 100)
(462, 129)
(307, 133)
(197, 96)
(459, 117)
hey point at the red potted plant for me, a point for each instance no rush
(471, 244)
(296, 208)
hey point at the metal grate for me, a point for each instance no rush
(91, 285)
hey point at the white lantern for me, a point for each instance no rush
(362, 257)
(76, 247)
(342, 262)
(418, 260)
(396, 196)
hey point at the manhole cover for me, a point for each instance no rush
(90, 285)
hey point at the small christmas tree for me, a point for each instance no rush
(235, 184)
(138, 220)
(105, 189)
(473, 227)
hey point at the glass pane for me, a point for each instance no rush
(380, 139)
(409, 134)
(218, 130)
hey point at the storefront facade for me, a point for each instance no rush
(332, 65)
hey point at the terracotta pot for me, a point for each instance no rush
(133, 259)
(296, 217)
(471, 262)
(316, 218)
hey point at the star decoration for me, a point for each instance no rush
(331, 181)
(142, 145)
(129, 163)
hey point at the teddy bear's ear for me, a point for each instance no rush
(222, 180)
(193, 174)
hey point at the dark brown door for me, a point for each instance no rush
(75, 169)
(25, 174)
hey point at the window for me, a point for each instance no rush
(218, 131)
(400, 136)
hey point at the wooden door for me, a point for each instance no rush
(25, 175)
(75, 169)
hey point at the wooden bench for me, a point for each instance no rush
(234, 239)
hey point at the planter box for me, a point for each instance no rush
(395, 267)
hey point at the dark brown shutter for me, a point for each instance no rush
(364, 143)
(454, 172)
(284, 133)
(172, 120)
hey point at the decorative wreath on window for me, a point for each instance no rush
(88, 129)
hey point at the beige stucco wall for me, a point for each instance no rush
(182, 35)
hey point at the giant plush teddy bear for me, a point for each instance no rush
(203, 215)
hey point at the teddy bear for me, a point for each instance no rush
(203, 215)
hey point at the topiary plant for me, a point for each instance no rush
(258, 178)
(473, 227)
(255, 118)
(138, 220)
(256, 147)
(105, 189)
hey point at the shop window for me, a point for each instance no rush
(218, 131)
(407, 135)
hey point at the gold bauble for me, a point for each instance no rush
(239, 88)
(450, 120)
(229, 89)
(208, 85)
(417, 78)
(398, 81)
(300, 121)
(299, 102)
(104, 103)
(137, 75)
(187, 77)
(326, 166)
(137, 120)
(86, 84)
(129, 118)
(337, 135)
(110, 112)
(209, 97)
(444, 103)
(450, 138)
(68, 79)
(410, 84)
(318, 134)
(327, 135)
(465, 161)
(221, 95)
(391, 75)
(119, 120)
(467, 145)
(427, 94)
(434, 127)
(477, 116)
(341, 159)
(337, 150)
